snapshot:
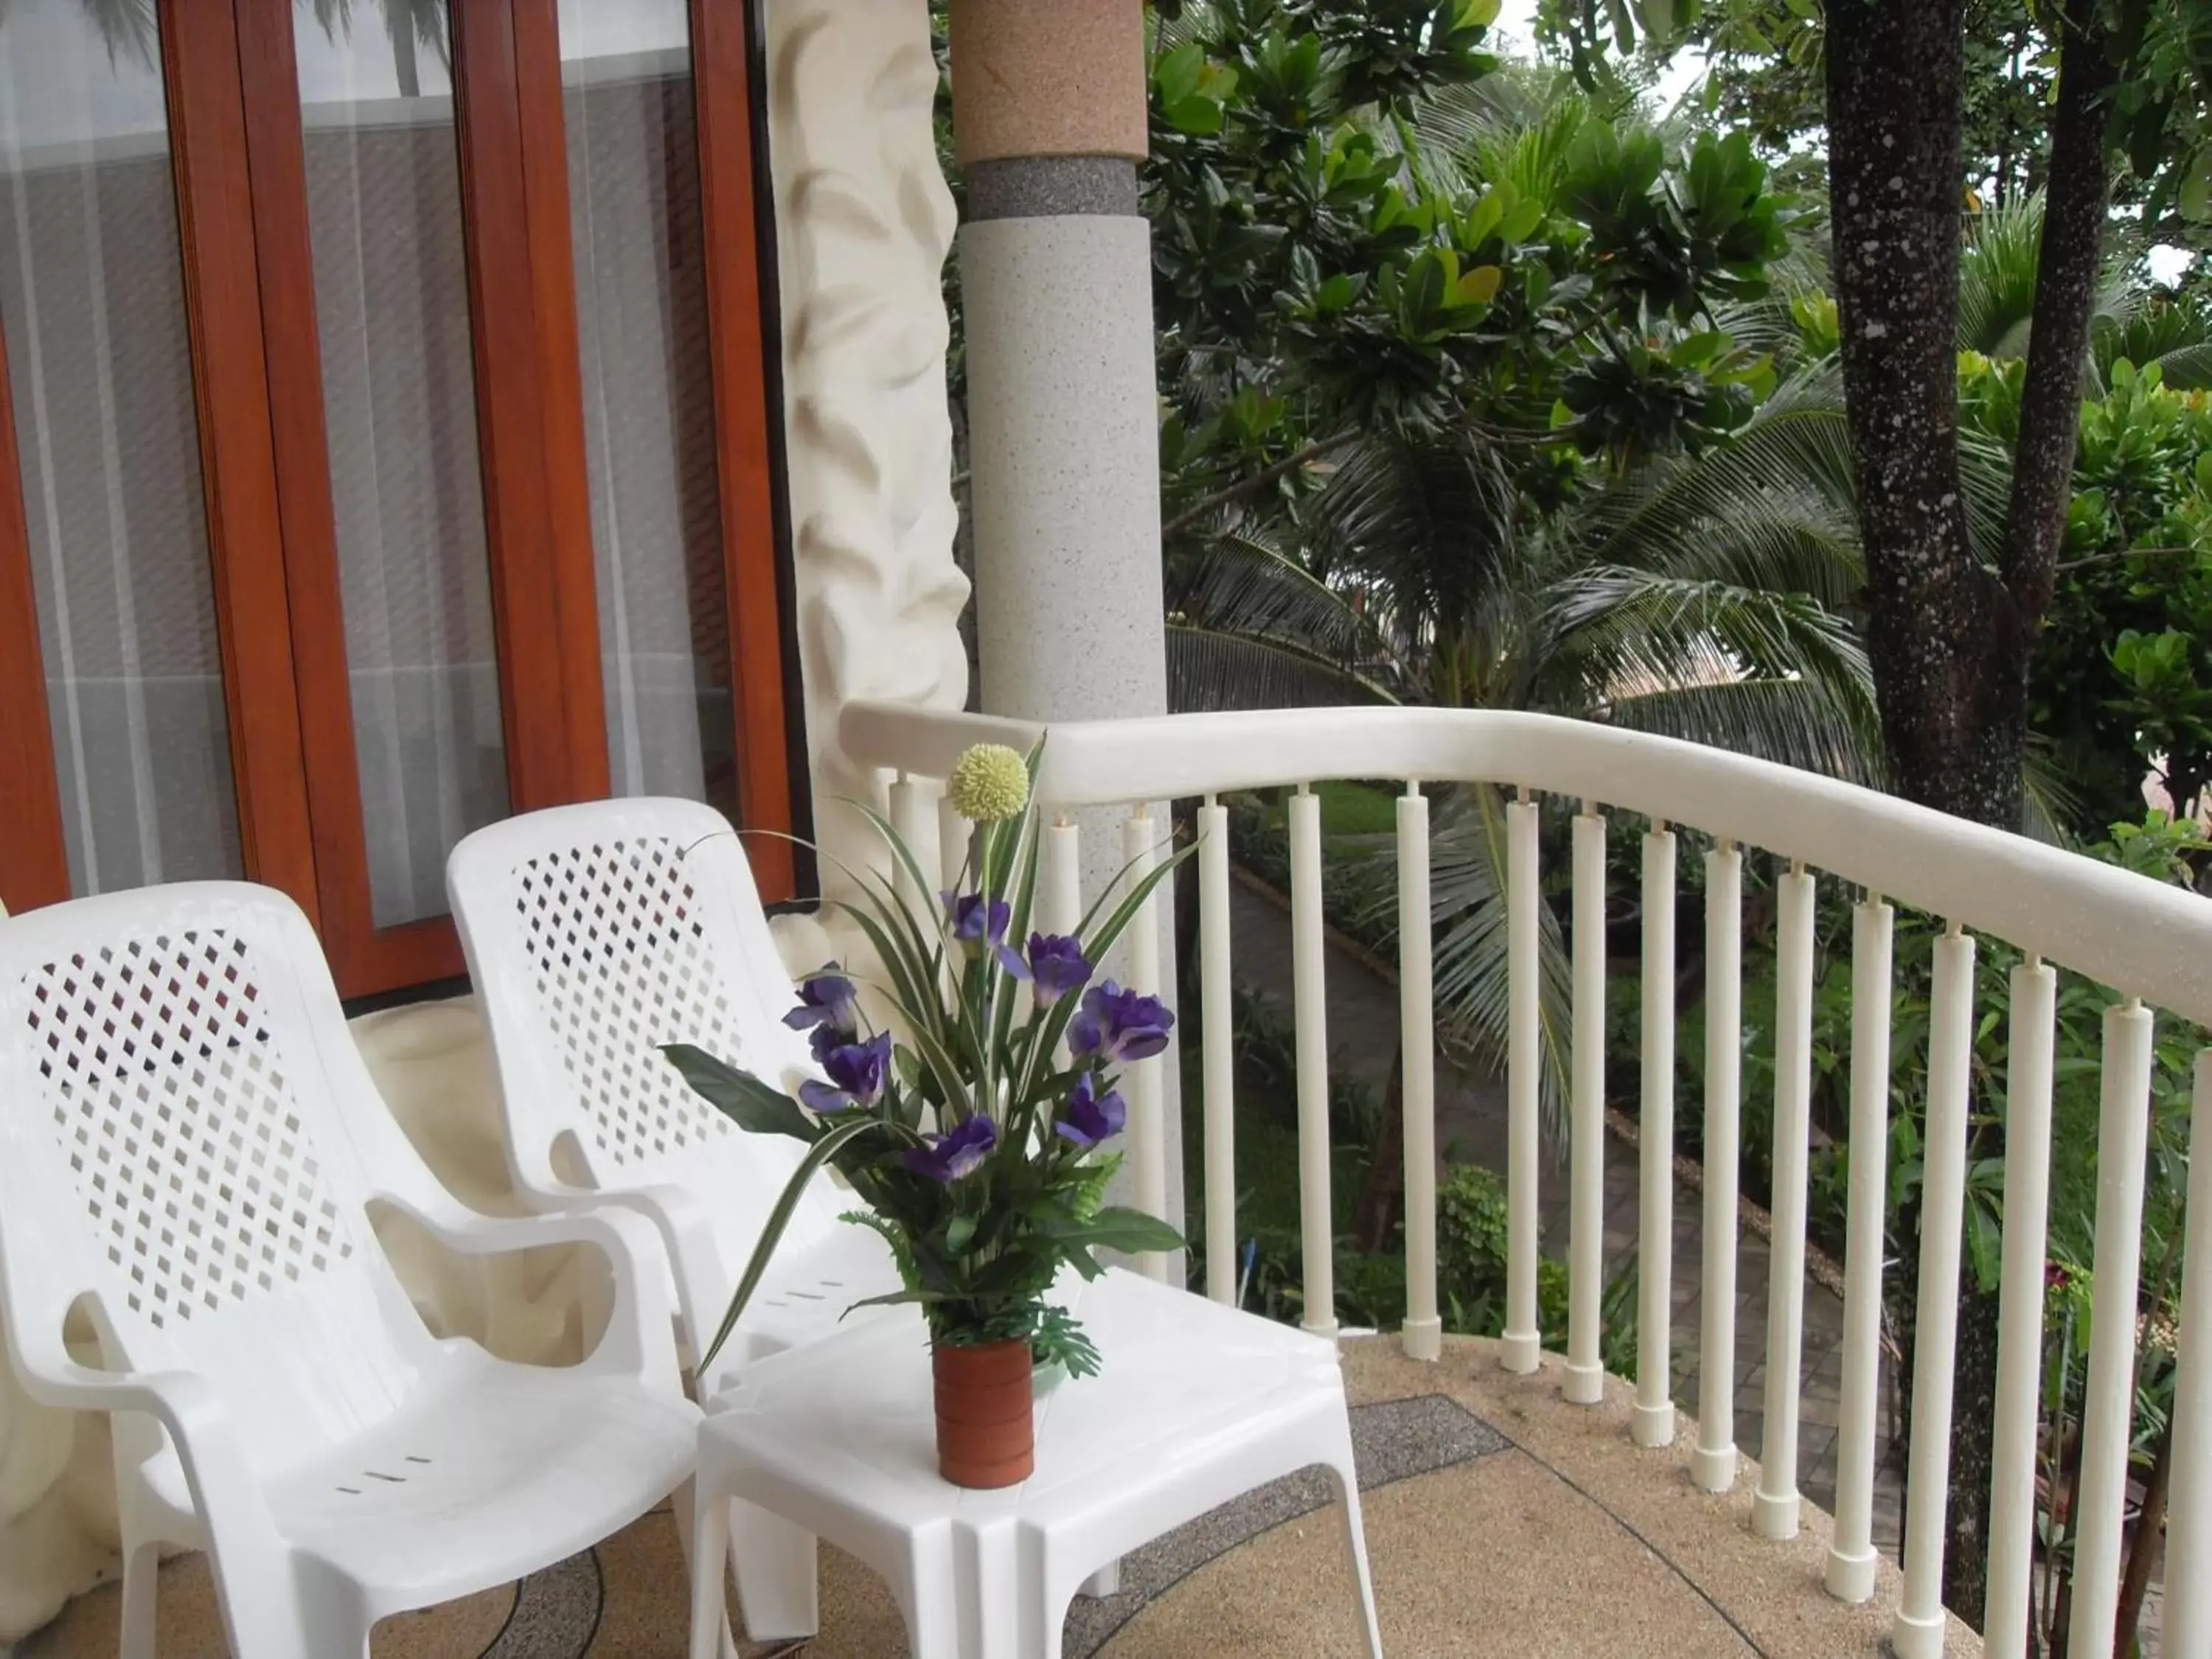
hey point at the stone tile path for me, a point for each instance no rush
(1471, 1127)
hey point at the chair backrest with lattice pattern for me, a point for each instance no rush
(596, 933)
(189, 1137)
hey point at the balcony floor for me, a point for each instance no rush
(1500, 1521)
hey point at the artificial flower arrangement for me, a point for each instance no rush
(975, 1138)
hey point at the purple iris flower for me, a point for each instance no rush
(980, 925)
(1090, 1117)
(1056, 965)
(948, 1156)
(859, 1072)
(1114, 1025)
(827, 1003)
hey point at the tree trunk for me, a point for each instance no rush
(1382, 1196)
(2068, 265)
(1897, 181)
(1951, 642)
(401, 23)
(2147, 1545)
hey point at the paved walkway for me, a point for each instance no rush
(1471, 1127)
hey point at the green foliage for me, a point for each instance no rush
(1348, 236)
(2123, 680)
(1765, 78)
(1472, 1247)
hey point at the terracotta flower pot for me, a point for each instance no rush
(986, 1436)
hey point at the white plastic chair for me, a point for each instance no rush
(188, 1141)
(594, 933)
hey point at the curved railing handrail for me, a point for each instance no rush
(2136, 935)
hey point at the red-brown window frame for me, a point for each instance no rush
(238, 157)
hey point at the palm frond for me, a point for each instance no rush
(1432, 523)
(1209, 671)
(1996, 280)
(1238, 584)
(1791, 722)
(1473, 989)
(127, 28)
(2176, 334)
(1772, 503)
(1774, 674)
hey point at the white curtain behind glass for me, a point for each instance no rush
(391, 307)
(648, 397)
(92, 301)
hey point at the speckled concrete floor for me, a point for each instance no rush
(1500, 1521)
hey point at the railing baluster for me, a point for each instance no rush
(1918, 1631)
(1423, 1336)
(1775, 1509)
(2020, 1311)
(1148, 1151)
(2188, 1610)
(1059, 898)
(1851, 1558)
(2108, 1406)
(1655, 1342)
(915, 825)
(1219, 1043)
(1586, 1146)
(1316, 1224)
(953, 832)
(1714, 1462)
(1524, 1074)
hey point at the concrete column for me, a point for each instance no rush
(1048, 118)
(1055, 270)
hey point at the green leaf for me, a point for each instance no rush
(2195, 198)
(1698, 349)
(779, 1219)
(1520, 223)
(1479, 287)
(959, 1233)
(1202, 117)
(1130, 1232)
(739, 1095)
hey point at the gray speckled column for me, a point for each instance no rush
(1055, 270)
(1063, 432)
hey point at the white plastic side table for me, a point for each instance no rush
(1196, 1404)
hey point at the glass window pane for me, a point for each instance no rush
(648, 398)
(384, 208)
(92, 301)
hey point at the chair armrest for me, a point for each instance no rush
(638, 1340)
(703, 1283)
(225, 1488)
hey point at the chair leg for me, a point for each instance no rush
(1347, 1503)
(141, 1578)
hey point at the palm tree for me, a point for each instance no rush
(410, 24)
(1702, 595)
(126, 28)
(1705, 597)
(131, 28)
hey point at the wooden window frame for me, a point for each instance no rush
(239, 156)
(36, 869)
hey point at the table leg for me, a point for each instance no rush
(709, 1531)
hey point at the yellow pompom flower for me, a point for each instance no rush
(990, 781)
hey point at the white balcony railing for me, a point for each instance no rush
(2151, 943)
